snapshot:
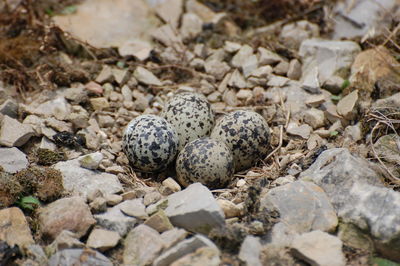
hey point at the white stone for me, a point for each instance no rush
(134, 207)
(136, 47)
(249, 65)
(250, 251)
(237, 80)
(241, 56)
(216, 68)
(346, 105)
(103, 239)
(293, 34)
(146, 77)
(170, 11)
(171, 184)
(303, 131)
(268, 57)
(14, 133)
(314, 117)
(91, 161)
(12, 160)
(232, 47)
(191, 26)
(230, 209)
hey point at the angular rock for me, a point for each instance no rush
(183, 248)
(10, 108)
(250, 65)
(303, 206)
(99, 103)
(171, 184)
(303, 131)
(65, 214)
(115, 220)
(230, 209)
(151, 197)
(216, 68)
(202, 256)
(82, 257)
(194, 209)
(353, 237)
(191, 26)
(170, 11)
(138, 48)
(387, 148)
(159, 221)
(392, 101)
(250, 251)
(65, 239)
(293, 34)
(314, 117)
(319, 248)
(13, 133)
(346, 105)
(241, 56)
(113, 199)
(14, 228)
(103, 239)
(237, 80)
(134, 207)
(173, 236)
(268, 57)
(81, 181)
(91, 161)
(146, 77)
(142, 245)
(12, 160)
(294, 71)
(58, 108)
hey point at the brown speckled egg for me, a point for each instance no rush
(150, 143)
(191, 116)
(207, 161)
(246, 133)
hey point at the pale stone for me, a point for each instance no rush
(159, 221)
(191, 26)
(241, 56)
(14, 228)
(103, 239)
(13, 133)
(267, 57)
(314, 117)
(146, 77)
(12, 160)
(346, 105)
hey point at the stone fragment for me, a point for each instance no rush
(13, 133)
(303, 131)
(216, 68)
(387, 148)
(113, 199)
(12, 160)
(142, 245)
(194, 209)
(237, 80)
(293, 34)
(134, 207)
(268, 57)
(82, 181)
(168, 36)
(173, 236)
(346, 105)
(232, 47)
(303, 206)
(183, 248)
(146, 77)
(137, 47)
(159, 221)
(319, 248)
(9, 108)
(353, 237)
(98, 205)
(103, 240)
(58, 107)
(230, 98)
(115, 220)
(230, 209)
(250, 251)
(241, 56)
(105, 75)
(191, 26)
(99, 103)
(249, 65)
(281, 68)
(65, 239)
(151, 198)
(262, 72)
(314, 117)
(202, 256)
(315, 100)
(354, 133)
(14, 229)
(171, 184)
(76, 95)
(205, 13)
(82, 257)
(121, 76)
(392, 101)
(65, 214)
(91, 160)
(170, 11)
(244, 94)
(294, 71)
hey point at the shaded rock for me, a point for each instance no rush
(183, 248)
(294, 71)
(67, 257)
(319, 248)
(14, 228)
(65, 239)
(388, 148)
(142, 245)
(293, 34)
(353, 237)
(281, 68)
(303, 206)
(194, 209)
(202, 256)
(171, 185)
(392, 101)
(103, 239)
(346, 105)
(98, 205)
(146, 77)
(65, 214)
(13, 133)
(230, 209)
(151, 197)
(115, 220)
(191, 26)
(82, 181)
(250, 251)
(12, 160)
(159, 221)
(268, 57)
(9, 108)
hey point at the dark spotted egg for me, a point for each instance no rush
(246, 133)
(207, 161)
(191, 116)
(150, 143)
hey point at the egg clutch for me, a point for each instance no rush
(205, 152)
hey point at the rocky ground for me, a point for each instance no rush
(325, 75)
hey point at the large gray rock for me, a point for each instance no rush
(325, 60)
(142, 245)
(250, 251)
(361, 17)
(183, 248)
(359, 197)
(195, 209)
(115, 220)
(81, 181)
(319, 249)
(13, 133)
(12, 160)
(303, 206)
(69, 257)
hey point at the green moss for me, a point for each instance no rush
(10, 189)
(49, 157)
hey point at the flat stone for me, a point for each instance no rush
(91, 160)
(71, 214)
(67, 257)
(294, 71)
(113, 199)
(232, 47)
(303, 206)
(146, 77)
(202, 256)
(170, 11)
(241, 56)
(250, 251)
(138, 48)
(14, 133)
(303, 131)
(142, 246)
(159, 221)
(134, 207)
(191, 25)
(65, 239)
(249, 65)
(347, 104)
(319, 248)
(12, 160)
(314, 117)
(268, 57)
(237, 80)
(58, 108)
(230, 209)
(216, 68)
(10, 108)
(173, 236)
(81, 181)
(183, 248)
(115, 220)
(14, 228)
(194, 209)
(99, 103)
(102, 240)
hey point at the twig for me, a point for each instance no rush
(279, 145)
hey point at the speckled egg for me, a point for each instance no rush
(150, 143)
(207, 161)
(246, 133)
(191, 116)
